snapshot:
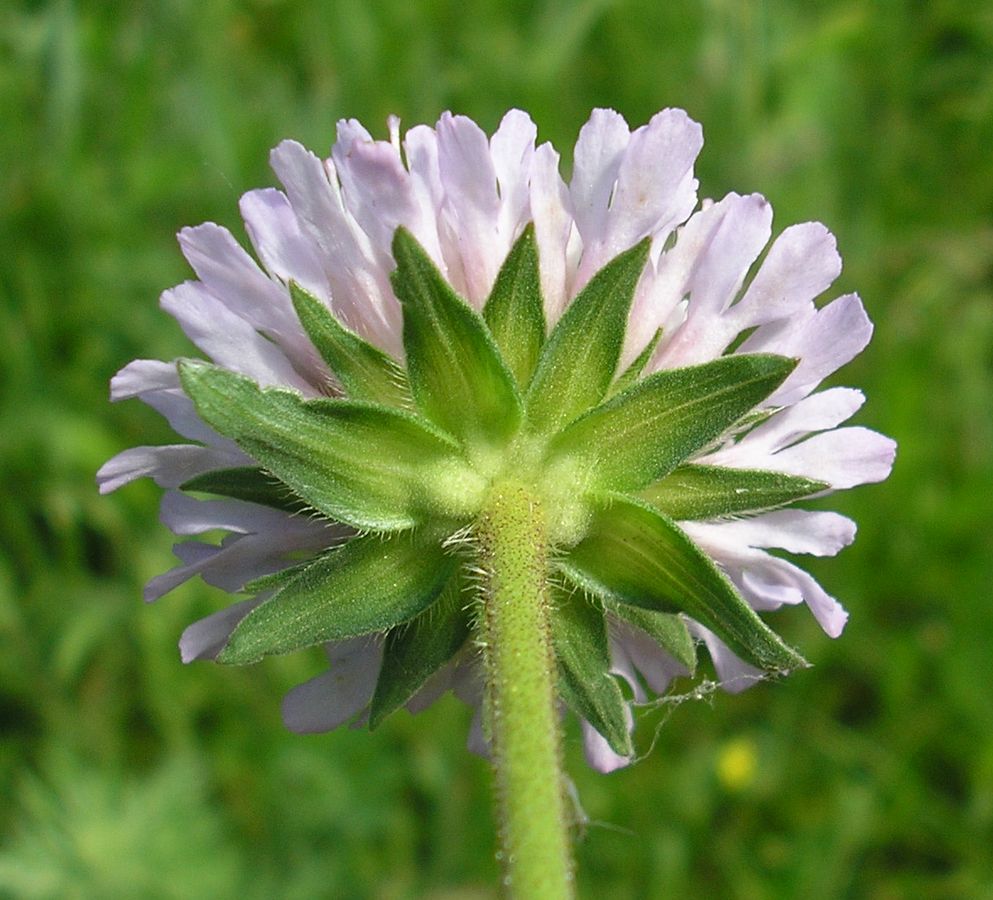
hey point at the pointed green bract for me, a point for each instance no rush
(365, 372)
(634, 554)
(457, 375)
(366, 586)
(515, 310)
(415, 651)
(276, 580)
(633, 372)
(579, 636)
(706, 492)
(668, 630)
(641, 435)
(248, 483)
(367, 465)
(578, 362)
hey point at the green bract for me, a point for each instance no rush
(408, 456)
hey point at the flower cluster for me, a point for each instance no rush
(435, 311)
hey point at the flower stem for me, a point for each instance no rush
(522, 718)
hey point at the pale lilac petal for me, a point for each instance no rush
(282, 247)
(232, 276)
(656, 666)
(734, 674)
(471, 205)
(205, 638)
(231, 341)
(769, 577)
(823, 342)
(844, 458)
(168, 466)
(722, 253)
(596, 162)
(380, 195)
(655, 188)
(360, 291)
(818, 533)
(512, 151)
(157, 384)
(331, 699)
(766, 581)
(432, 690)
(476, 740)
(801, 264)
(597, 751)
(818, 412)
(552, 227)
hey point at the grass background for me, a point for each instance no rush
(125, 774)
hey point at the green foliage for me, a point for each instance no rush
(363, 371)
(636, 555)
(872, 770)
(579, 361)
(642, 434)
(366, 586)
(579, 638)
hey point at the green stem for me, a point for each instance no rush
(522, 716)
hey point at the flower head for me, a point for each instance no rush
(435, 313)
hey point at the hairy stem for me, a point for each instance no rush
(521, 714)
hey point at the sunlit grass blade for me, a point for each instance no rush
(457, 375)
(579, 637)
(366, 465)
(365, 372)
(636, 555)
(578, 362)
(706, 492)
(365, 586)
(644, 433)
(515, 310)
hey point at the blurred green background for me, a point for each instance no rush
(125, 774)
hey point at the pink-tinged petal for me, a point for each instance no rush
(471, 205)
(656, 666)
(622, 665)
(597, 751)
(206, 638)
(420, 147)
(771, 577)
(512, 152)
(157, 384)
(184, 515)
(552, 226)
(283, 248)
(331, 699)
(766, 581)
(818, 412)
(432, 690)
(655, 188)
(844, 458)
(168, 466)
(476, 740)
(734, 674)
(801, 264)
(722, 248)
(141, 375)
(380, 195)
(233, 277)
(596, 163)
(823, 342)
(360, 291)
(232, 342)
(818, 533)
